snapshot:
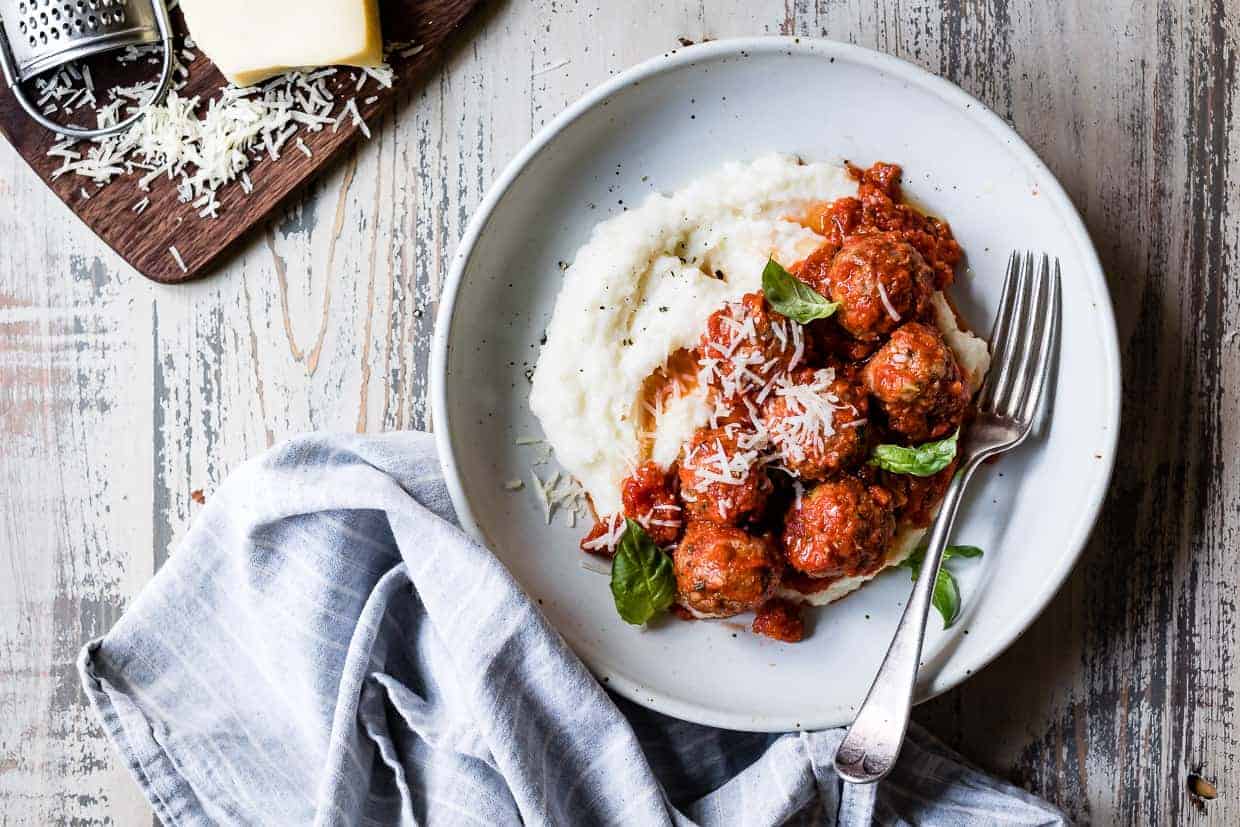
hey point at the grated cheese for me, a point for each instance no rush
(882, 294)
(551, 67)
(541, 493)
(811, 415)
(744, 355)
(719, 467)
(197, 146)
(559, 492)
(798, 345)
(611, 539)
(350, 109)
(382, 75)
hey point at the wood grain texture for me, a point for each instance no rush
(120, 399)
(145, 238)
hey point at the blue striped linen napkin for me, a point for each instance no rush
(327, 646)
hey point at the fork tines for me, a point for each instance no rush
(1023, 339)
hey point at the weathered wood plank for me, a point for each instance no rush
(119, 400)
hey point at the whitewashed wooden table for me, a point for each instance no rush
(123, 403)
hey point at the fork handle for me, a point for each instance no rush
(872, 744)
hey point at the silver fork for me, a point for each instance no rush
(1023, 341)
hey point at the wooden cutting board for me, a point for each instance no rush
(144, 239)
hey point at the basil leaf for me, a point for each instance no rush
(946, 594)
(792, 297)
(913, 561)
(946, 597)
(642, 581)
(968, 552)
(921, 460)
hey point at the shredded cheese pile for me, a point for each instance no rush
(558, 492)
(200, 147)
(807, 421)
(746, 366)
(811, 414)
(719, 467)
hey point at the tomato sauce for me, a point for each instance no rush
(650, 497)
(879, 207)
(780, 619)
(676, 378)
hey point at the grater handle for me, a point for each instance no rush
(9, 68)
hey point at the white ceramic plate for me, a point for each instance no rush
(656, 127)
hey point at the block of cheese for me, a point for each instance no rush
(252, 40)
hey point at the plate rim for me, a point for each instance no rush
(949, 677)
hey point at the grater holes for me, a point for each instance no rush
(47, 28)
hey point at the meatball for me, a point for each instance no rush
(745, 344)
(917, 383)
(722, 478)
(780, 619)
(840, 529)
(723, 570)
(649, 497)
(816, 423)
(879, 197)
(878, 281)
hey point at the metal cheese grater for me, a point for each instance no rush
(38, 35)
